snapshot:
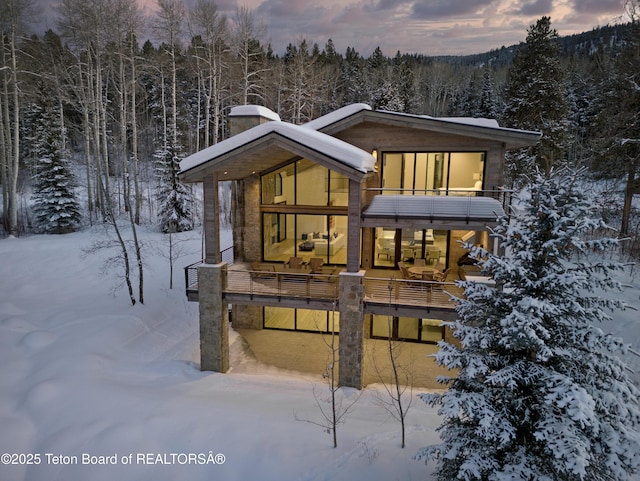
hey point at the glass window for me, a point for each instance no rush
(311, 183)
(338, 188)
(278, 235)
(431, 330)
(407, 329)
(385, 248)
(307, 320)
(420, 173)
(466, 170)
(278, 187)
(279, 318)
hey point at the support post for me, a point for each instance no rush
(214, 318)
(211, 222)
(351, 350)
(353, 226)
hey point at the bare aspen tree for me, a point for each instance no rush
(84, 24)
(206, 23)
(128, 21)
(13, 16)
(397, 384)
(169, 26)
(246, 35)
(334, 414)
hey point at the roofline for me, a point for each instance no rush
(512, 138)
(285, 142)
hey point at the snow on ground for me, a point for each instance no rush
(84, 373)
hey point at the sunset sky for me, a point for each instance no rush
(430, 27)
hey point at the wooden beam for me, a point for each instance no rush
(211, 213)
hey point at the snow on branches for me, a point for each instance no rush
(540, 392)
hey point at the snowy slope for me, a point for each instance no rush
(85, 373)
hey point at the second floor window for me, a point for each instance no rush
(418, 172)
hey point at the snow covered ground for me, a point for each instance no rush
(85, 374)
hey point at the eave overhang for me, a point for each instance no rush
(270, 145)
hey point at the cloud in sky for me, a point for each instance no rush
(430, 27)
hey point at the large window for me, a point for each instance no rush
(407, 245)
(304, 235)
(420, 173)
(306, 320)
(407, 329)
(304, 213)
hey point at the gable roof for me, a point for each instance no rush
(244, 154)
(481, 128)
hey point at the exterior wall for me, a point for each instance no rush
(383, 138)
(246, 317)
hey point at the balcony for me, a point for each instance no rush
(299, 288)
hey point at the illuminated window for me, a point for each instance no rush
(407, 329)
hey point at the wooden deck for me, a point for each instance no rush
(292, 287)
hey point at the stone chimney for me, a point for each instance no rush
(244, 117)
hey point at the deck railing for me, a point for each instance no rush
(191, 271)
(404, 292)
(256, 284)
(282, 284)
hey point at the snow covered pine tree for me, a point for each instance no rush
(55, 206)
(540, 394)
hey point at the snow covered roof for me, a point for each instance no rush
(324, 146)
(308, 141)
(253, 111)
(471, 126)
(458, 207)
(335, 116)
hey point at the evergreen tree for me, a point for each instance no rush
(541, 394)
(616, 132)
(174, 197)
(536, 96)
(488, 101)
(55, 206)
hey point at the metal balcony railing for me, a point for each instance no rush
(191, 272)
(415, 293)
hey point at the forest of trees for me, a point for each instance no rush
(122, 110)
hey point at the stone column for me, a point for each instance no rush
(214, 318)
(351, 329)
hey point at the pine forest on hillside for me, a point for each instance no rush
(122, 110)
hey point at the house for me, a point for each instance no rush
(352, 222)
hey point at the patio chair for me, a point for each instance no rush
(419, 262)
(263, 271)
(405, 272)
(294, 263)
(316, 263)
